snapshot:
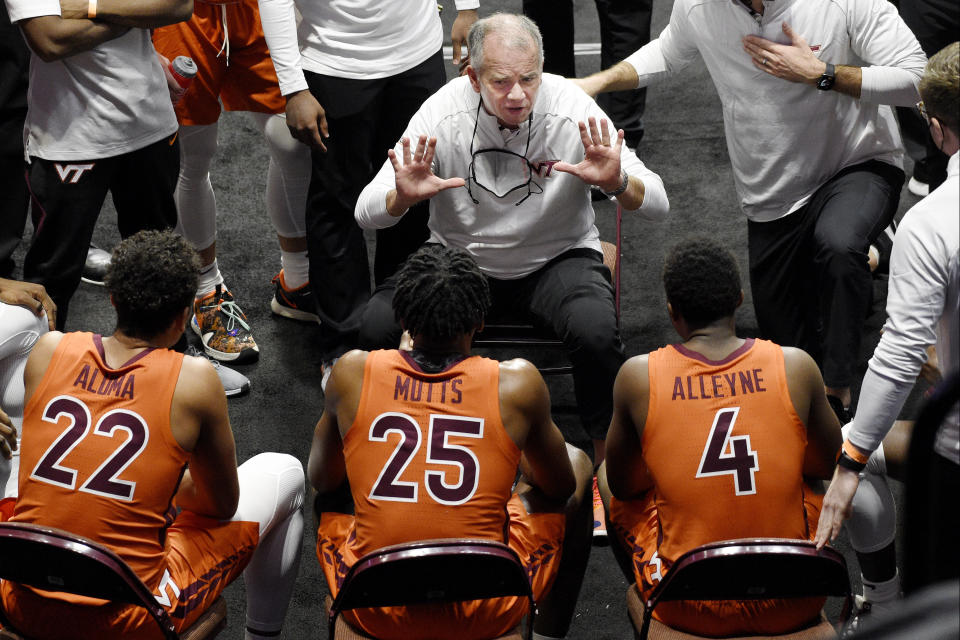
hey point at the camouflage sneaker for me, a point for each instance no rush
(223, 328)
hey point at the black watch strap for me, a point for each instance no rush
(829, 77)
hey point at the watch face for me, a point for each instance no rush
(825, 82)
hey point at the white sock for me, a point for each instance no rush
(884, 595)
(209, 279)
(296, 268)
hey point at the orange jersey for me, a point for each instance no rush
(427, 455)
(98, 457)
(725, 448)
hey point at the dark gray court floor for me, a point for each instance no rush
(684, 143)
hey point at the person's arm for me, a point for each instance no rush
(893, 58)
(30, 295)
(627, 474)
(52, 38)
(8, 436)
(211, 487)
(404, 180)
(326, 466)
(305, 116)
(466, 16)
(671, 51)
(141, 14)
(524, 400)
(810, 402)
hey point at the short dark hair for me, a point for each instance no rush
(441, 293)
(152, 277)
(702, 281)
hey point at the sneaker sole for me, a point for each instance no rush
(917, 188)
(98, 283)
(290, 312)
(239, 391)
(244, 356)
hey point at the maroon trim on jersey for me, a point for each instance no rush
(413, 363)
(736, 353)
(98, 341)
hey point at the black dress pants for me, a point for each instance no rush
(365, 118)
(809, 275)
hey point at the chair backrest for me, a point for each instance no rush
(433, 571)
(753, 568)
(56, 560)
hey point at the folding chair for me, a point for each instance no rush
(516, 333)
(56, 560)
(431, 571)
(744, 569)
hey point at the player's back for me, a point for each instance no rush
(98, 457)
(724, 446)
(427, 455)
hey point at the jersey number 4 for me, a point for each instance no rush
(104, 480)
(725, 454)
(439, 451)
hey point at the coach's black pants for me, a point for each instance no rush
(67, 197)
(364, 118)
(808, 270)
(572, 295)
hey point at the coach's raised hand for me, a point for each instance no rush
(415, 180)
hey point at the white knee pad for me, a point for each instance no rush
(872, 524)
(271, 488)
(196, 203)
(288, 176)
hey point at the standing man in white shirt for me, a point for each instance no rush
(357, 74)
(99, 119)
(923, 308)
(806, 88)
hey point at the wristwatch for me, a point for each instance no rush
(624, 183)
(825, 83)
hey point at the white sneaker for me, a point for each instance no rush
(325, 370)
(917, 188)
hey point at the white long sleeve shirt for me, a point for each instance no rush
(923, 308)
(786, 139)
(509, 240)
(360, 39)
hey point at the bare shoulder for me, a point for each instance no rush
(799, 365)
(42, 352)
(635, 372)
(198, 381)
(518, 376)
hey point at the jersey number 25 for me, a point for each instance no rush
(439, 451)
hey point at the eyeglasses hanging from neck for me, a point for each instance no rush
(500, 172)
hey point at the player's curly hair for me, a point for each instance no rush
(152, 277)
(702, 281)
(441, 293)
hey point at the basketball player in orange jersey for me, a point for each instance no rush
(715, 438)
(431, 440)
(118, 430)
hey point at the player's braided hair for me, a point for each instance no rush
(702, 281)
(152, 277)
(441, 293)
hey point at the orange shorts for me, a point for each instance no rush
(6, 508)
(535, 537)
(247, 83)
(203, 556)
(636, 526)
